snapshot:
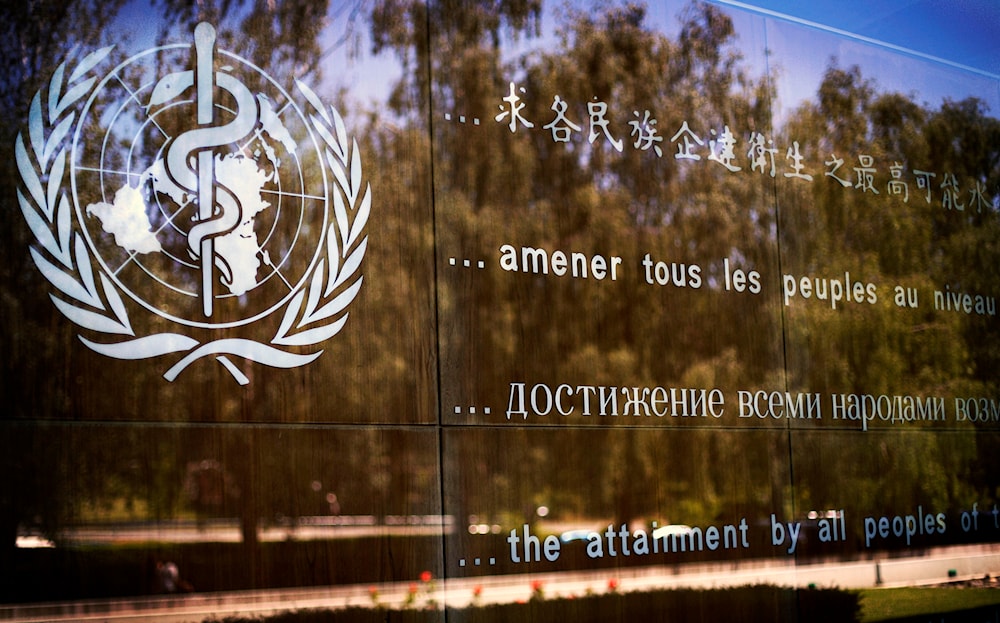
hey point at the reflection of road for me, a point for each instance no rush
(935, 566)
(228, 530)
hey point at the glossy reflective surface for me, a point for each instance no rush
(440, 305)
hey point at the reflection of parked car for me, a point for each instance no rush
(671, 530)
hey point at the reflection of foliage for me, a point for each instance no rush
(919, 246)
(36, 36)
(285, 36)
(458, 43)
(493, 186)
(922, 247)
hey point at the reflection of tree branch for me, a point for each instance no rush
(284, 37)
(354, 10)
(36, 36)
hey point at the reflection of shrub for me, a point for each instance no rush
(749, 604)
(537, 590)
(411, 596)
(427, 587)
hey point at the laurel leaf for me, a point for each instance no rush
(315, 290)
(55, 88)
(86, 272)
(328, 138)
(313, 99)
(116, 304)
(361, 218)
(61, 281)
(36, 130)
(56, 138)
(355, 173)
(351, 265)
(56, 178)
(337, 305)
(341, 133)
(143, 347)
(88, 319)
(330, 141)
(338, 172)
(290, 313)
(89, 62)
(74, 94)
(315, 336)
(334, 257)
(63, 213)
(41, 230)
(340, 212)
(30, 177)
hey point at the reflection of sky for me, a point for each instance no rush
(890, 40)
(347, 62)
(964, 32)
(801, 56)
(927, 49)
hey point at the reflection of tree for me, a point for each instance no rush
(455, 44)
(589, 475)
(493, 186)
(881, 239)
(283, 38)
(923, 247)
(35, 37)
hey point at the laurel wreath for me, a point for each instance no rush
(314, 314)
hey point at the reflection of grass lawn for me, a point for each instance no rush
(880, 604)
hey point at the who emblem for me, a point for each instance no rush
(176, 214)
